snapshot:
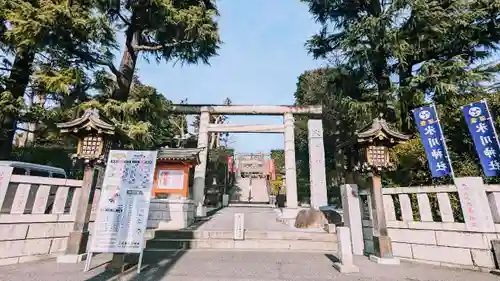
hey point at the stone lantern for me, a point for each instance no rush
(95, 134)
(96, 137)
(372, 145)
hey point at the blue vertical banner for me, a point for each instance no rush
(481, 127)
(433, 140)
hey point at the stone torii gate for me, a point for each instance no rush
(315, 140)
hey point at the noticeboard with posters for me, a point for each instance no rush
(122, 211)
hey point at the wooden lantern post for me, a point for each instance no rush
(96, 136)
(372, 144)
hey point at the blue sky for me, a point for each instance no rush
(262, 56)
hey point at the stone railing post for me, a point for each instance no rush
(346, 264)
(5, 174)
(352, 216)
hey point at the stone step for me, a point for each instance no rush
(170, 256)
(227, 244)
(249, 235)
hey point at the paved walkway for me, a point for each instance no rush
(256, 219)
(241, 266)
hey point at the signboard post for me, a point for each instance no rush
(239, 226)
(122, 211)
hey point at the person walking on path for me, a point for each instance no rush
(250, 192)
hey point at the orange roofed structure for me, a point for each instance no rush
(172, 171)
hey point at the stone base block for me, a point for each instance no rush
(346, 268)
(171, 214)
(495, 272)
(388, 261)
(201, 211)
(330, 228)
(119, 264)
(64, 258)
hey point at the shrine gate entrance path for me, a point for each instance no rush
(257, 218)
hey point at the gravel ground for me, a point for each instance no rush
(240, 266)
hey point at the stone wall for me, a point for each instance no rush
(171, 213)
(442, 225)
(36, 216)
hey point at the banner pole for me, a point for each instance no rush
(443, 139)
(492, 121)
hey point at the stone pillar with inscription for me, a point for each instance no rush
(200, 170)
(290, 168)
(317, 172)
(475, 205)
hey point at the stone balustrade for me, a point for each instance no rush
(434, 224)
(36, 216)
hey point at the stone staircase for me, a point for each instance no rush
(295, 241)
(259, 190)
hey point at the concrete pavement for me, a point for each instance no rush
(240, 266)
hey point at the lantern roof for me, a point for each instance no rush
(91, 119)
(378, 129)
(381, 130)
(180, 154)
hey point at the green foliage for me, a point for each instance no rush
(277, 185)
(278, 156)
(410, 159)
(182, 31)
(435, 50)
(46, 44)
(60, 47)
(54, 156)
(348, 105)
(145, 117)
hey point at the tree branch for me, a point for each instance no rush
(25, 130)
(156, 47)
(122, 18)
(88, 57)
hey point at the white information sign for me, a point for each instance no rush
(170, 179)
(122, 212)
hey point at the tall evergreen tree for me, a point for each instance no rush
(184, 31)
(41, 31)
(429, 45)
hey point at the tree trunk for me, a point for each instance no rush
(379, 64)
(17, 83)
(405, 101)
(126, 71)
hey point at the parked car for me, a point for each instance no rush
(37, 170)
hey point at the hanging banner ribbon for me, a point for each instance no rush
(481, 127)
(433, 140)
